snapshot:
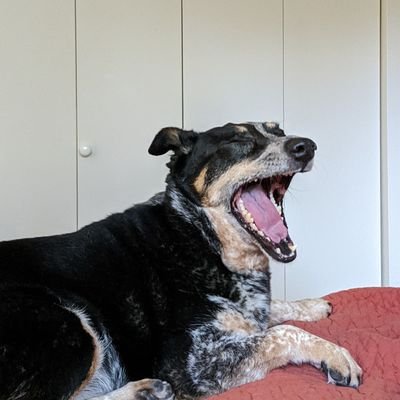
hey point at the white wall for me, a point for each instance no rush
(332, 95)
(391, 138)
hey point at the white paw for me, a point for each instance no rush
(341, 368)
(314, 309)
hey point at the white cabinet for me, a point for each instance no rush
(37, 118)
(129, 86)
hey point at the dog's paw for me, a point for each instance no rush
(315, 309)
(155, 389)
(341, 369)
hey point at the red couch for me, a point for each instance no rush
(367, 323)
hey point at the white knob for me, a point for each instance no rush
(85, 150)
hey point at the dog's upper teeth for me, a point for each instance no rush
(278, 250)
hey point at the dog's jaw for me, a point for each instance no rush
(239, 251)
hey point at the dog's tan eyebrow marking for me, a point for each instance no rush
(241, 129)
(200, 181)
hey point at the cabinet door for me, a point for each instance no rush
(37, 118)
(332, 96)
(129, 87)
(232, 68)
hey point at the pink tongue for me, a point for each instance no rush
(265, 214)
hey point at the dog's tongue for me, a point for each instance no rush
(265, 214)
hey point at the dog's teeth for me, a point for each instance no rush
(261, 233)
(248, 217)
(256, 180)
(292, 247)
(278, 250)
(253, 226)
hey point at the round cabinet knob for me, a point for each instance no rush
(85, 150)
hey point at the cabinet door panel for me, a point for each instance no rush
(232, 68)
(129, 87)
(332, 95)
(37, 118)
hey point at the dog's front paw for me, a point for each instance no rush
(315, 309)
(155, 389)
(341, 369)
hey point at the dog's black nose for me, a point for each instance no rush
(301, 149)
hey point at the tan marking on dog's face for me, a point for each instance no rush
(240, 129)
(200, 181)
(217, 191)
(232, 321)
(239, 251)
(272, 125)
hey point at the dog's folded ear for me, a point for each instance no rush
(174, 139)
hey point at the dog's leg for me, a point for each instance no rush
(145, 389)
(219, 362)
(301, 310)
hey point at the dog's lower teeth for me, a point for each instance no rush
(292, 247)
(248, 218)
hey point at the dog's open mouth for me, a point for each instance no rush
(258, 206)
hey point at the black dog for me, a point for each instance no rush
(176, 288)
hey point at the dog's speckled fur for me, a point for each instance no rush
(172, 289)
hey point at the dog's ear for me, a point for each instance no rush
(174, 139)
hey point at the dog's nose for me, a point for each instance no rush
(301, 149)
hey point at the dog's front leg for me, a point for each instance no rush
(145, 389)
(233, 359)
(301, 310)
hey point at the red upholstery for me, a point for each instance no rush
(367, 323)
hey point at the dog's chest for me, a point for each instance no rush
(247, 309)
(253, 297)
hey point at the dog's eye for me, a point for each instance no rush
(241, 139)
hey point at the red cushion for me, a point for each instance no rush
(367, 323)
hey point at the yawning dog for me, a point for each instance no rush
(172, 296)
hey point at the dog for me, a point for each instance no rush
(172, 296)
